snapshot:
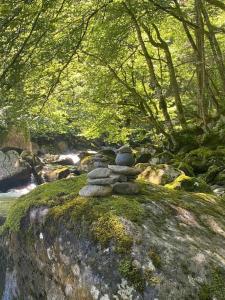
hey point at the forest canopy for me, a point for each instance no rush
(117, 69)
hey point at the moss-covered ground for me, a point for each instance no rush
(64, 203)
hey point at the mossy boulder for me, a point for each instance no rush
(184, 167)
(86, 163)
(220, 178)
(202, 158)
(159, 174)
(55, 173)
(190, 184)
(188, 139)
(63, 246)
(211, 174)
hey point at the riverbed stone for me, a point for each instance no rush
(95, 191)
(55, 174)
(124, 170)
(126, 188)
(99, 173)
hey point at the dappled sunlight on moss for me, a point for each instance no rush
(110, 227)
(49, 194)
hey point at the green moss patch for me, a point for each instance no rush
(215, 288)
(132, 274)
(189, 184)
(49, 194)
(110, 228)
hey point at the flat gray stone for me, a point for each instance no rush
(126, 188)
(102, 181)
(99, 173)
(118, 177)
(124, 170)
(95, 191)
(100, 164)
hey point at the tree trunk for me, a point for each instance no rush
(154, 82)
(200, 65)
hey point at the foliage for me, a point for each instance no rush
(113, 69)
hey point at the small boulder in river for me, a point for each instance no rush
(50, 174)
(95, 191)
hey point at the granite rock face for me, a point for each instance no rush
(163, 245)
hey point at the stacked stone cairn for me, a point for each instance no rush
(113, 179)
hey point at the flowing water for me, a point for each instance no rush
(8, 198)
(74, 156)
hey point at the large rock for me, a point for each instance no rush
(13, 171)
(99, 173)
(124, 170)
(163, 245)
(95, 191)
(126, 188)
(160, 174)
(16, 137)
(31, 158)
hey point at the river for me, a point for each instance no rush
(8, 198)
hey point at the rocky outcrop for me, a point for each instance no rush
(161, 244)
(13, 170)
(16, 137)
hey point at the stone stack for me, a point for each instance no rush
(117, 179)
(99, 183)
(127, 186)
